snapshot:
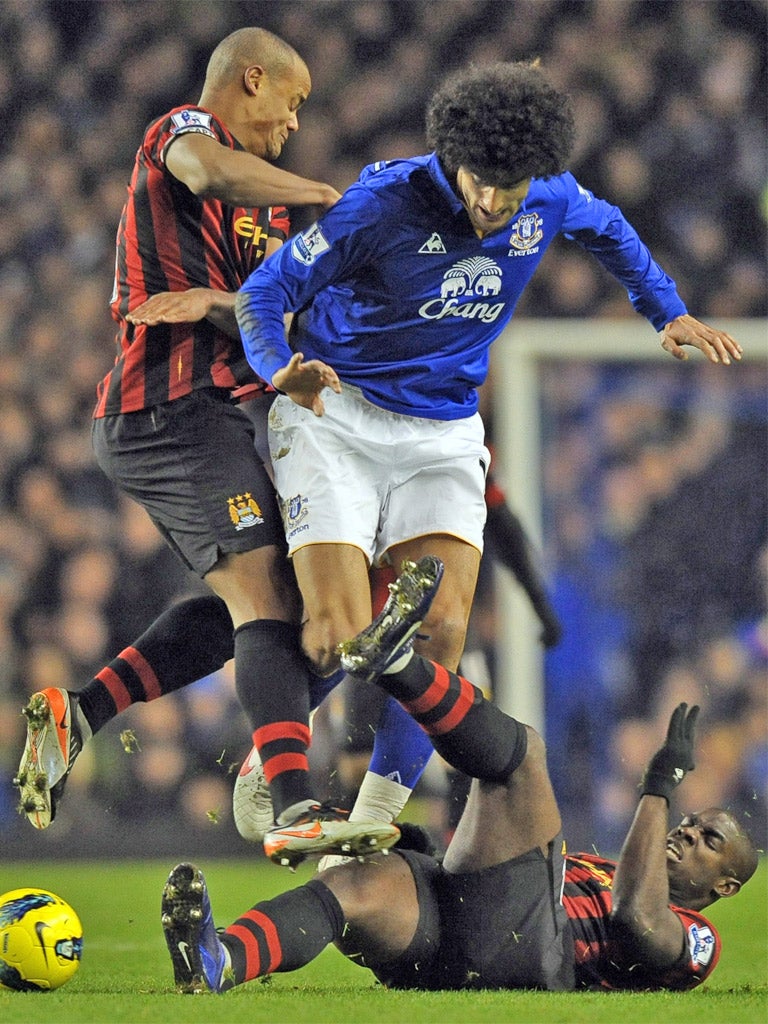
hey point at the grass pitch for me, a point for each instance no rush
(125, 975)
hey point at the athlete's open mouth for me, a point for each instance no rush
(675, 849)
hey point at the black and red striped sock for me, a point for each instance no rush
(189, 640)
(473, 735)
(284, 933)
(273, 677)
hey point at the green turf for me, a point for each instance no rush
(125, 974)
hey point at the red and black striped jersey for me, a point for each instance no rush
(169, 239)
(588, 898)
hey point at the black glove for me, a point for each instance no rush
(668, 765)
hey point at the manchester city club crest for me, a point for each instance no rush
(244, 511)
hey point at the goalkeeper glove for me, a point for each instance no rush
(668, 766)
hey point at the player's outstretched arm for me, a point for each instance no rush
(717, 346)
(647, 929)
(192, 305)
(188, 307)
(213, 171)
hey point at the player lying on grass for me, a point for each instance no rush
(506, 908)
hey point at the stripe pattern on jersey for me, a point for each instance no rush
(588, 900)
(169, 239)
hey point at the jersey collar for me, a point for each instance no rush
(437, 174)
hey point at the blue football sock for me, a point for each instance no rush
(401, 748)
(321, 686)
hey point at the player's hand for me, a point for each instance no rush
(717, 346)
(174, 307)
(330, 197)
(668, 766)
(303, 382)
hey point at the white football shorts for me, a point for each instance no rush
(365, 476)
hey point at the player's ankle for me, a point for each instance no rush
(379, 799)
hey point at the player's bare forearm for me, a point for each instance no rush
(259, 183)
(211, 170)
(222, 313)
(716, 345)
(188, 307)
(641, 914)
(263, 184)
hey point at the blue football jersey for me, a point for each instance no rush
(395, 291)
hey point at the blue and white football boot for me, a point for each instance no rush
(200, 961)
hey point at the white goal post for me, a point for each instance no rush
(515, 364)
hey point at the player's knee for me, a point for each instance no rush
(325, 629)
(442, 638)
(255, 585)
(536, 751)
(356, 888)
(320, 639)
(371, 893)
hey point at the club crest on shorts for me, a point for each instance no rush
(295, 511)
(244, 511)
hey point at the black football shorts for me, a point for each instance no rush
(192, 464)
(502, 927)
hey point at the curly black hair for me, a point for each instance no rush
(502, 121)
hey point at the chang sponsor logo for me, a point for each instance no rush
(465, 291)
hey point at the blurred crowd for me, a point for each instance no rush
(655, 513)
(654, 496)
